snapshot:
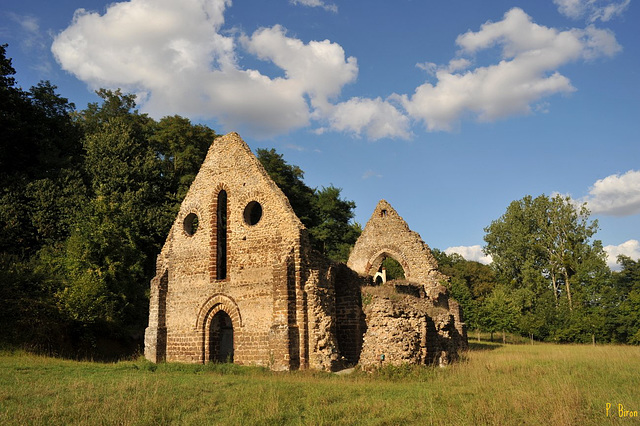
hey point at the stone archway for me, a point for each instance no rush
(387, 234)
(375, 263)
(219, 324)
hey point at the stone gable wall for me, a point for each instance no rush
(261, 264)
(387, 234)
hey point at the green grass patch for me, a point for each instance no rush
(493, 384)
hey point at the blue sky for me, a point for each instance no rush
(449, 110)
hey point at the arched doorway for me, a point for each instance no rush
(221, 338)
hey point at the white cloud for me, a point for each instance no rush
(615, 195)
(375, 117)
(178, 58)
(526, 72)
(318, 68)
(592, 10)
(317, 3)
(30, 35)
(473, 253)
(630, 248)
(175, 53)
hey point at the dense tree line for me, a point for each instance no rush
(87, 199)
(549, 279)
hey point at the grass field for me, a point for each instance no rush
(493, 384)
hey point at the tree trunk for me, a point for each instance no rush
(478, 334)
(504, 337)
(555, 287)
(566, 281)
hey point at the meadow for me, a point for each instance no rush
(492, 384)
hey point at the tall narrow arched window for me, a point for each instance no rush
(221, 236)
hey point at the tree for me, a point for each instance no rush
(470, 285)
(626, 296)
(334, 234)
(543, 236)
(40, 189)
(543, 251)
(323, 212)
(182, 148)
(40, 154)
(290, 179)
(499, 312)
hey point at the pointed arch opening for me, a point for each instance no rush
(387, 266)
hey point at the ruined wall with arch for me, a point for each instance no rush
(388, 235)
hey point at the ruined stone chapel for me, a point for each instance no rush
(237, 281)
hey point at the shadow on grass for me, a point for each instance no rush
(483, 346)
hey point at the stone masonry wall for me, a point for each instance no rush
(262, 262)
(387, 234)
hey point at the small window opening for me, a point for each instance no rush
(252, 213)
(383, 213)
(190, 224)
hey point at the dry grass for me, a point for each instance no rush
(513, 384)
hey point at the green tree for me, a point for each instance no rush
(324, 213)
(625, 296)
(290, 179)
(542, 249)
(543, 236)
(40, 154)
(335, 233)
(471, 283)
(40, 189)
(182, 148)
(499, 312)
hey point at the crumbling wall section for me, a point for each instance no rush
(350, 319)
(320, 295)
(405, 328)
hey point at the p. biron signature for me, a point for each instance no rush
(619, 410)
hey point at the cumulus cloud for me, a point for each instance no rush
(615, 195)
(526, 73)
(318, 68)
(317, 3)
(473, 253)
(175, 55)
(374, 117)
(630, 248)
(592, 10)
(180, 60)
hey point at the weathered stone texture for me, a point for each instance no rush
(388, 235)
(405, 328)
(412, 321)
(236, 278)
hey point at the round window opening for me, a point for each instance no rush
(190, 224)
(252, 213)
